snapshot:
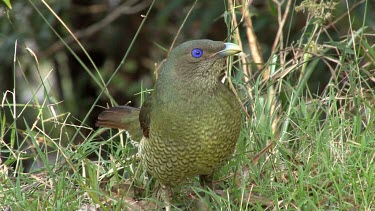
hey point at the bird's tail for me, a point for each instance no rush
(122, 117)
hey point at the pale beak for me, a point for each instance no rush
(230, 49)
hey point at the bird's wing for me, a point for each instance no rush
(144, 116)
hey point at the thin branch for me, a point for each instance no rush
(246, 68)
(251, 37)
(92, 29)
(182, 25)
(281, 25)
(332, 24)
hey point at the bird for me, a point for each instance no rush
(189, 125)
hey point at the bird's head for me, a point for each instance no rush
(198, 60)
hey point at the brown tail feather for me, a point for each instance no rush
(122, 117)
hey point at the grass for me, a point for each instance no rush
(299, 149)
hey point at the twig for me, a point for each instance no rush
(245, 67)
(251, 37)
(238, 98)
(279, 35)
(182, 25)
(92, 29)
(244, 62)
(343, 15)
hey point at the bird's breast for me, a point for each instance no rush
(191, 137)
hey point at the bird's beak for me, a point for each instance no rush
(230, 49)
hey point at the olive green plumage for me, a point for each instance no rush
(191, 121)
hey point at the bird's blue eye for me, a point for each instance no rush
(197, 52)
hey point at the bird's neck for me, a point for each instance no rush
(174, 88)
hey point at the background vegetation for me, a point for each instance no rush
(305, 80)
